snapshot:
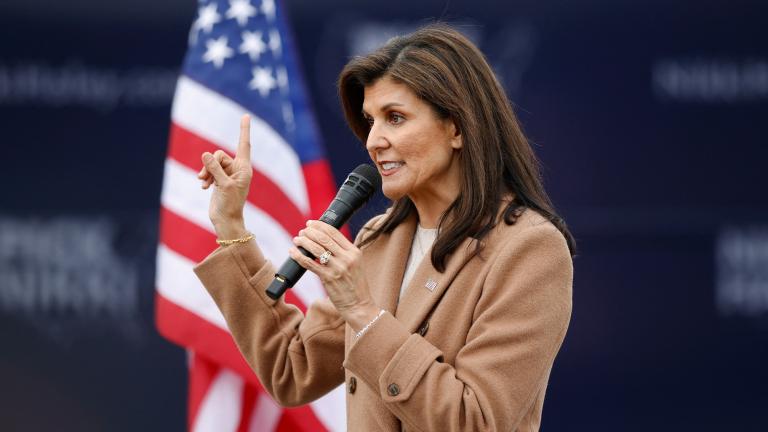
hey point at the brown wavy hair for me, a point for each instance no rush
(449, 72)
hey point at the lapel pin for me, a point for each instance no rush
(431, 284)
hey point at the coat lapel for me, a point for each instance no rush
(427, 285)
(385, 266)
(386, 263)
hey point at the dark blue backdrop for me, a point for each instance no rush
(649, 118)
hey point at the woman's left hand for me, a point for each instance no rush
(343, 276)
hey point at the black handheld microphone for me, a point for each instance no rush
(357, 188)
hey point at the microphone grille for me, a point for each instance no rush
(369, 173)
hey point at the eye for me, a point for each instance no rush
(396, 118)
(369, 120)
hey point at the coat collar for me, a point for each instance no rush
(386, 266)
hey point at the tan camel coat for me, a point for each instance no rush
(467, 349)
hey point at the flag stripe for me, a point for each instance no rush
(186, 148)
(327, 408)
(177, 283)
(201, 375)
(250, 395)
(215, 118)
(322, 190)
(293, 420)
(266, 414)
(184, 237)
(187, 329)
(220, 408)
(211, 342)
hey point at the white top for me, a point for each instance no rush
(420, 247)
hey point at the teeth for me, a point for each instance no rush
(391, 165)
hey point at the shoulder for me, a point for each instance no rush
(531, 233)
(530, 265)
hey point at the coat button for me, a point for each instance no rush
(423, 329)
(393, 390)
(352, 385)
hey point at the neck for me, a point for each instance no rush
(431, 209)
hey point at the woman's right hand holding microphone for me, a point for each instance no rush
(231, 178)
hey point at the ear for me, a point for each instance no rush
(456, 142)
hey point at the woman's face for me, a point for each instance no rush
(414, 149)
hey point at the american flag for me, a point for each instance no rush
(240, 60)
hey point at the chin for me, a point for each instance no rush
(392, 193)
(393, 196)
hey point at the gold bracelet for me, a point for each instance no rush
(247, 238)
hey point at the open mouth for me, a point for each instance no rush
(389, 167)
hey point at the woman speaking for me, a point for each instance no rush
(448, 310)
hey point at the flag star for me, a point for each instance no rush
(275, 43)
(217, 51)
(207, 18)
(268, 7)
(241, 10)
(263, 81)
(252, 45)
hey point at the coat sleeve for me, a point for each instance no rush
(518, 326)
(297, 358)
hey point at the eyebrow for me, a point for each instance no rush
(386, 107)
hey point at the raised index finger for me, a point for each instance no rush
(244, 146)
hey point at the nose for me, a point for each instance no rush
(376, 140)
